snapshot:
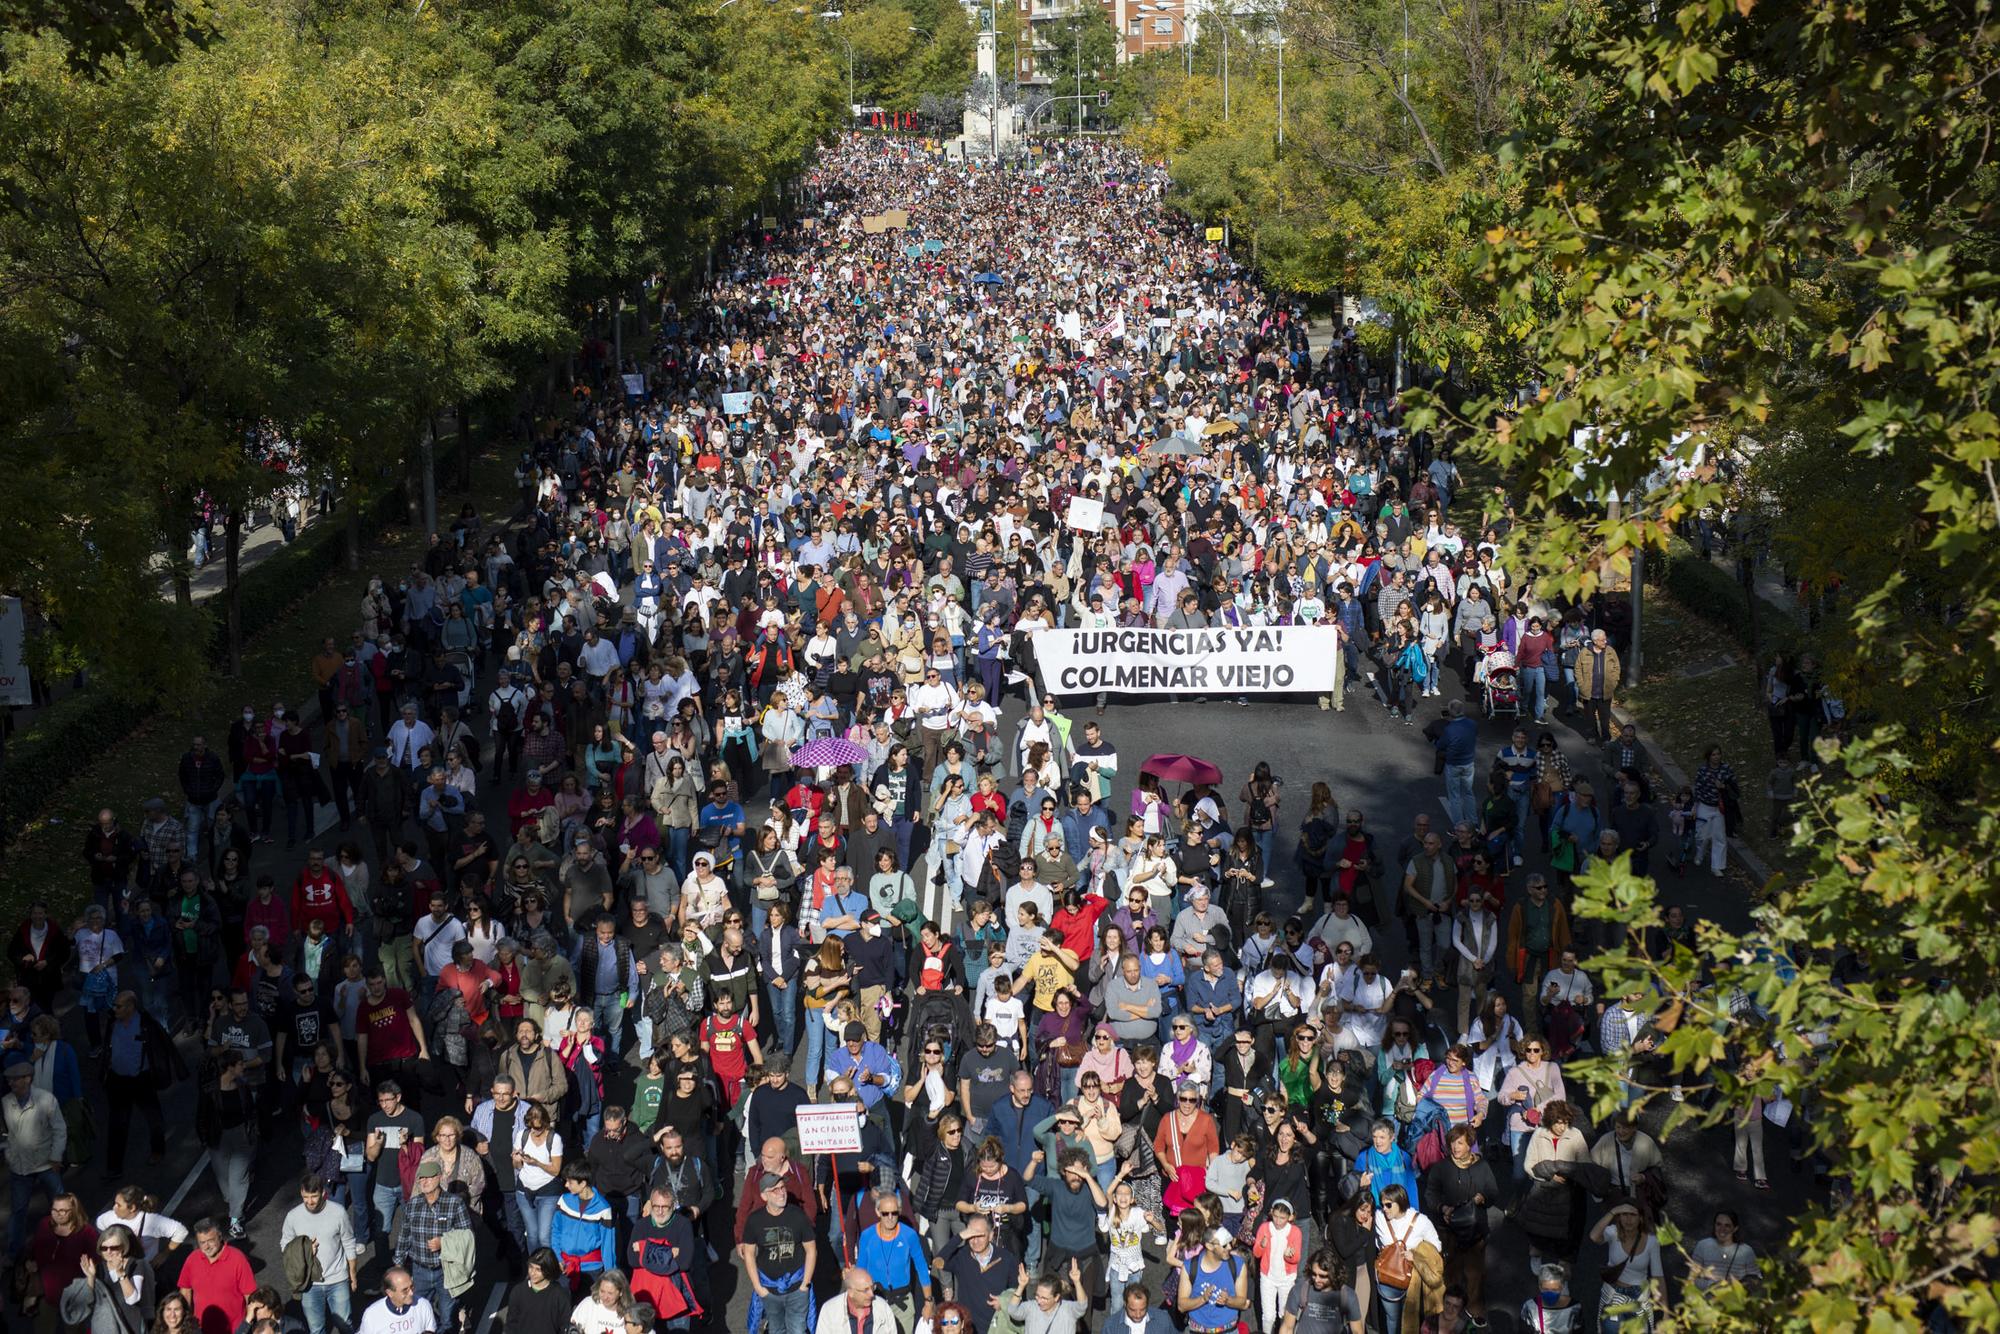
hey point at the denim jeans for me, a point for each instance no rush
(25, 1184)
(430, 1283)
(1534, 690)
(815, 1046)
(1433, 939)
(609, 1015)
(328, 1299)
(542, 1213)
(1459, 801)
(358, 1211)
(783, 1005)
(1267, 846)
(195, 819)
(1392, 1304)
(785, 1312)
(385, 1200)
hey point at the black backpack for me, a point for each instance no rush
(509, 718)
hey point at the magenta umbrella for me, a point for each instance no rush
(1181, 769)
(828, 752)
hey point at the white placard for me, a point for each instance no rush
(735, 405)
(831, 1128)
(13, 642)
(635, 385)
(1086, 514)
(1254, 660)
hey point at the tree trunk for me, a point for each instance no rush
(464, 446)
(428, 455)
(232, 609)
(352, 523)
(183, 587)
(413, 484)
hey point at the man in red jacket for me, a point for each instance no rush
(526, 805)
(320, 892)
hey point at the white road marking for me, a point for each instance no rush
(194, 1174)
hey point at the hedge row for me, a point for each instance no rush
(1712, 593)
(44, 757)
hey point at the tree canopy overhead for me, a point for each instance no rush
(323, 223)
(1758, 234)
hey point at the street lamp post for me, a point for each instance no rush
(1077, 29)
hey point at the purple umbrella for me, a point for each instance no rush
(1181, 769)
(828, 752)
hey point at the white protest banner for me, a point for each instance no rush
(13, 640)
(829, 1128)
(1086, 514)
(735, 405)
(1253, 660)
(635, 385)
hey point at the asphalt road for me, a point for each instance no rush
(1371, 761)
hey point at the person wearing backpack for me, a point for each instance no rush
(508, 707)
(1213, 1288)
(1260, 797)
(1403, 1274)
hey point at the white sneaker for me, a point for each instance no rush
(1269, 883)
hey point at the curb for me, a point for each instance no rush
(1679, 778)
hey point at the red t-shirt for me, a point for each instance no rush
(723, 1039)
(470, 981)
(221, 1288)
(390, 1037)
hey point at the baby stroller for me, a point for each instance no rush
(1499, 685)
(943, 1017)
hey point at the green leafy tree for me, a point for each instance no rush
(1080, 56)
(1763, 232)
(105, 30)
(1391, 145)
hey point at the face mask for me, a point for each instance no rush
(1547, 1298)
(249, 716)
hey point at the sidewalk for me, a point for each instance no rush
(258, 545)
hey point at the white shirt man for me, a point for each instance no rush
(400, 1311)
(598, 656)
(1567, 983)
(1286, 991)
(1365, 999)
(936, 703)
(847, 1309)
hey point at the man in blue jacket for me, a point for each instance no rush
(1014, 1118)
(1457, 740)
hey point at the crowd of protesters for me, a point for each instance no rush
(545, 1004)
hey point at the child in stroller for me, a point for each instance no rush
(1498, 683)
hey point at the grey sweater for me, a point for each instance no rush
(1146, 994)
(332, 1236)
